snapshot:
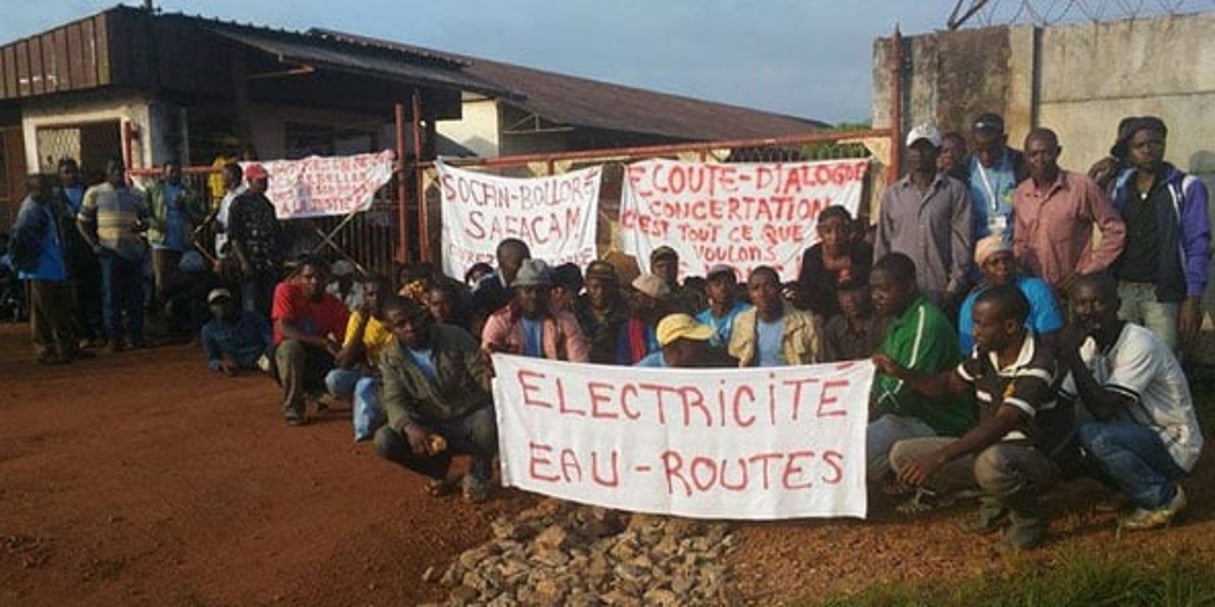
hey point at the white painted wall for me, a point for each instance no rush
(477, 129)
(49, 114)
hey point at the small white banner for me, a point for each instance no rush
(706, 443)
(744, 215)
(555, 216)
(319, 186)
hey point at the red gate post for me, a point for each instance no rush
(423, 228)
(402, 188)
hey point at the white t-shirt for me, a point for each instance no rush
(221, 221)
(1140, 367)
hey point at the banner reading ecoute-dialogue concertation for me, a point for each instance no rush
(785, 442)
(744, 215)
(555, 215)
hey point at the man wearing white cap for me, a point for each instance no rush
(235, 339)
(994, 257)
(927, 216)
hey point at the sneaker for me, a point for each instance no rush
(83, 354)
(296, 420)
(52, 359)
(474, 489)
(986, 522)
(1142, 519)
(1116, 501)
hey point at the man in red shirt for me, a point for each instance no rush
(308, 330)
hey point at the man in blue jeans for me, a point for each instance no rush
(111, 219)
(1146, 436)
(437, 395)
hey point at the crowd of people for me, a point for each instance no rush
(1025, 321)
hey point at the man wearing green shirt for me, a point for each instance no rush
(919, 338)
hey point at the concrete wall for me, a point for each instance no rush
(1079, 80)
(50, 114)
(477, 129)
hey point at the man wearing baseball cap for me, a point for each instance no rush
(685, 343)
(234, 339)
(995, 171)
(724, 307)
(601, 311)
(255, 241)
(529, 326)
(928, 217)
(650, 303)
(664, 263)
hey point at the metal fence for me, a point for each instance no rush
(372, 240)
(368, 240)
(827, 145)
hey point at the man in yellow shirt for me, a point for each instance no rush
(366, 337)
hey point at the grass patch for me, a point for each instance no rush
(1076, 579)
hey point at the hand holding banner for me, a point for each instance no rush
(773, 443)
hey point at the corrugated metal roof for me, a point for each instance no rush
(577, 101)
(312, 50)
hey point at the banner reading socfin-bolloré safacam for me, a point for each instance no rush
(785, 442)
(744, 215)
(554, 215)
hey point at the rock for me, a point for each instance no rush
(463, 594)
(431, 575)
(503, 600)
(554, 537)
(550, 557)
(661, 598)
(550, 591)
(667, 546)
(475, 580)
(597, 567)
(472, 558)
(453, 575)
(620, 598)
(625, 547)
(681, 583)
(629, 573)
(511, 568)
(504, 529)
(582, 599)
(643, 563)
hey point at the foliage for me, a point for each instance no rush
(1077, 579)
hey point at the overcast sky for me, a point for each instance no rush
(809, 58)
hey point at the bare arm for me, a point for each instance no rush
(941, 385)
(353, 351)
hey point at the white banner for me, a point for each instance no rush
(744, 215)
(319, 186)
(555, 216)
(722, 443)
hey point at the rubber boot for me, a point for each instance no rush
(991, 517)
(1028, 527)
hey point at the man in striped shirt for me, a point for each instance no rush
(921, 339)
(111, 220)
(1022, 432)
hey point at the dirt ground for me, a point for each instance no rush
(140, 478)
